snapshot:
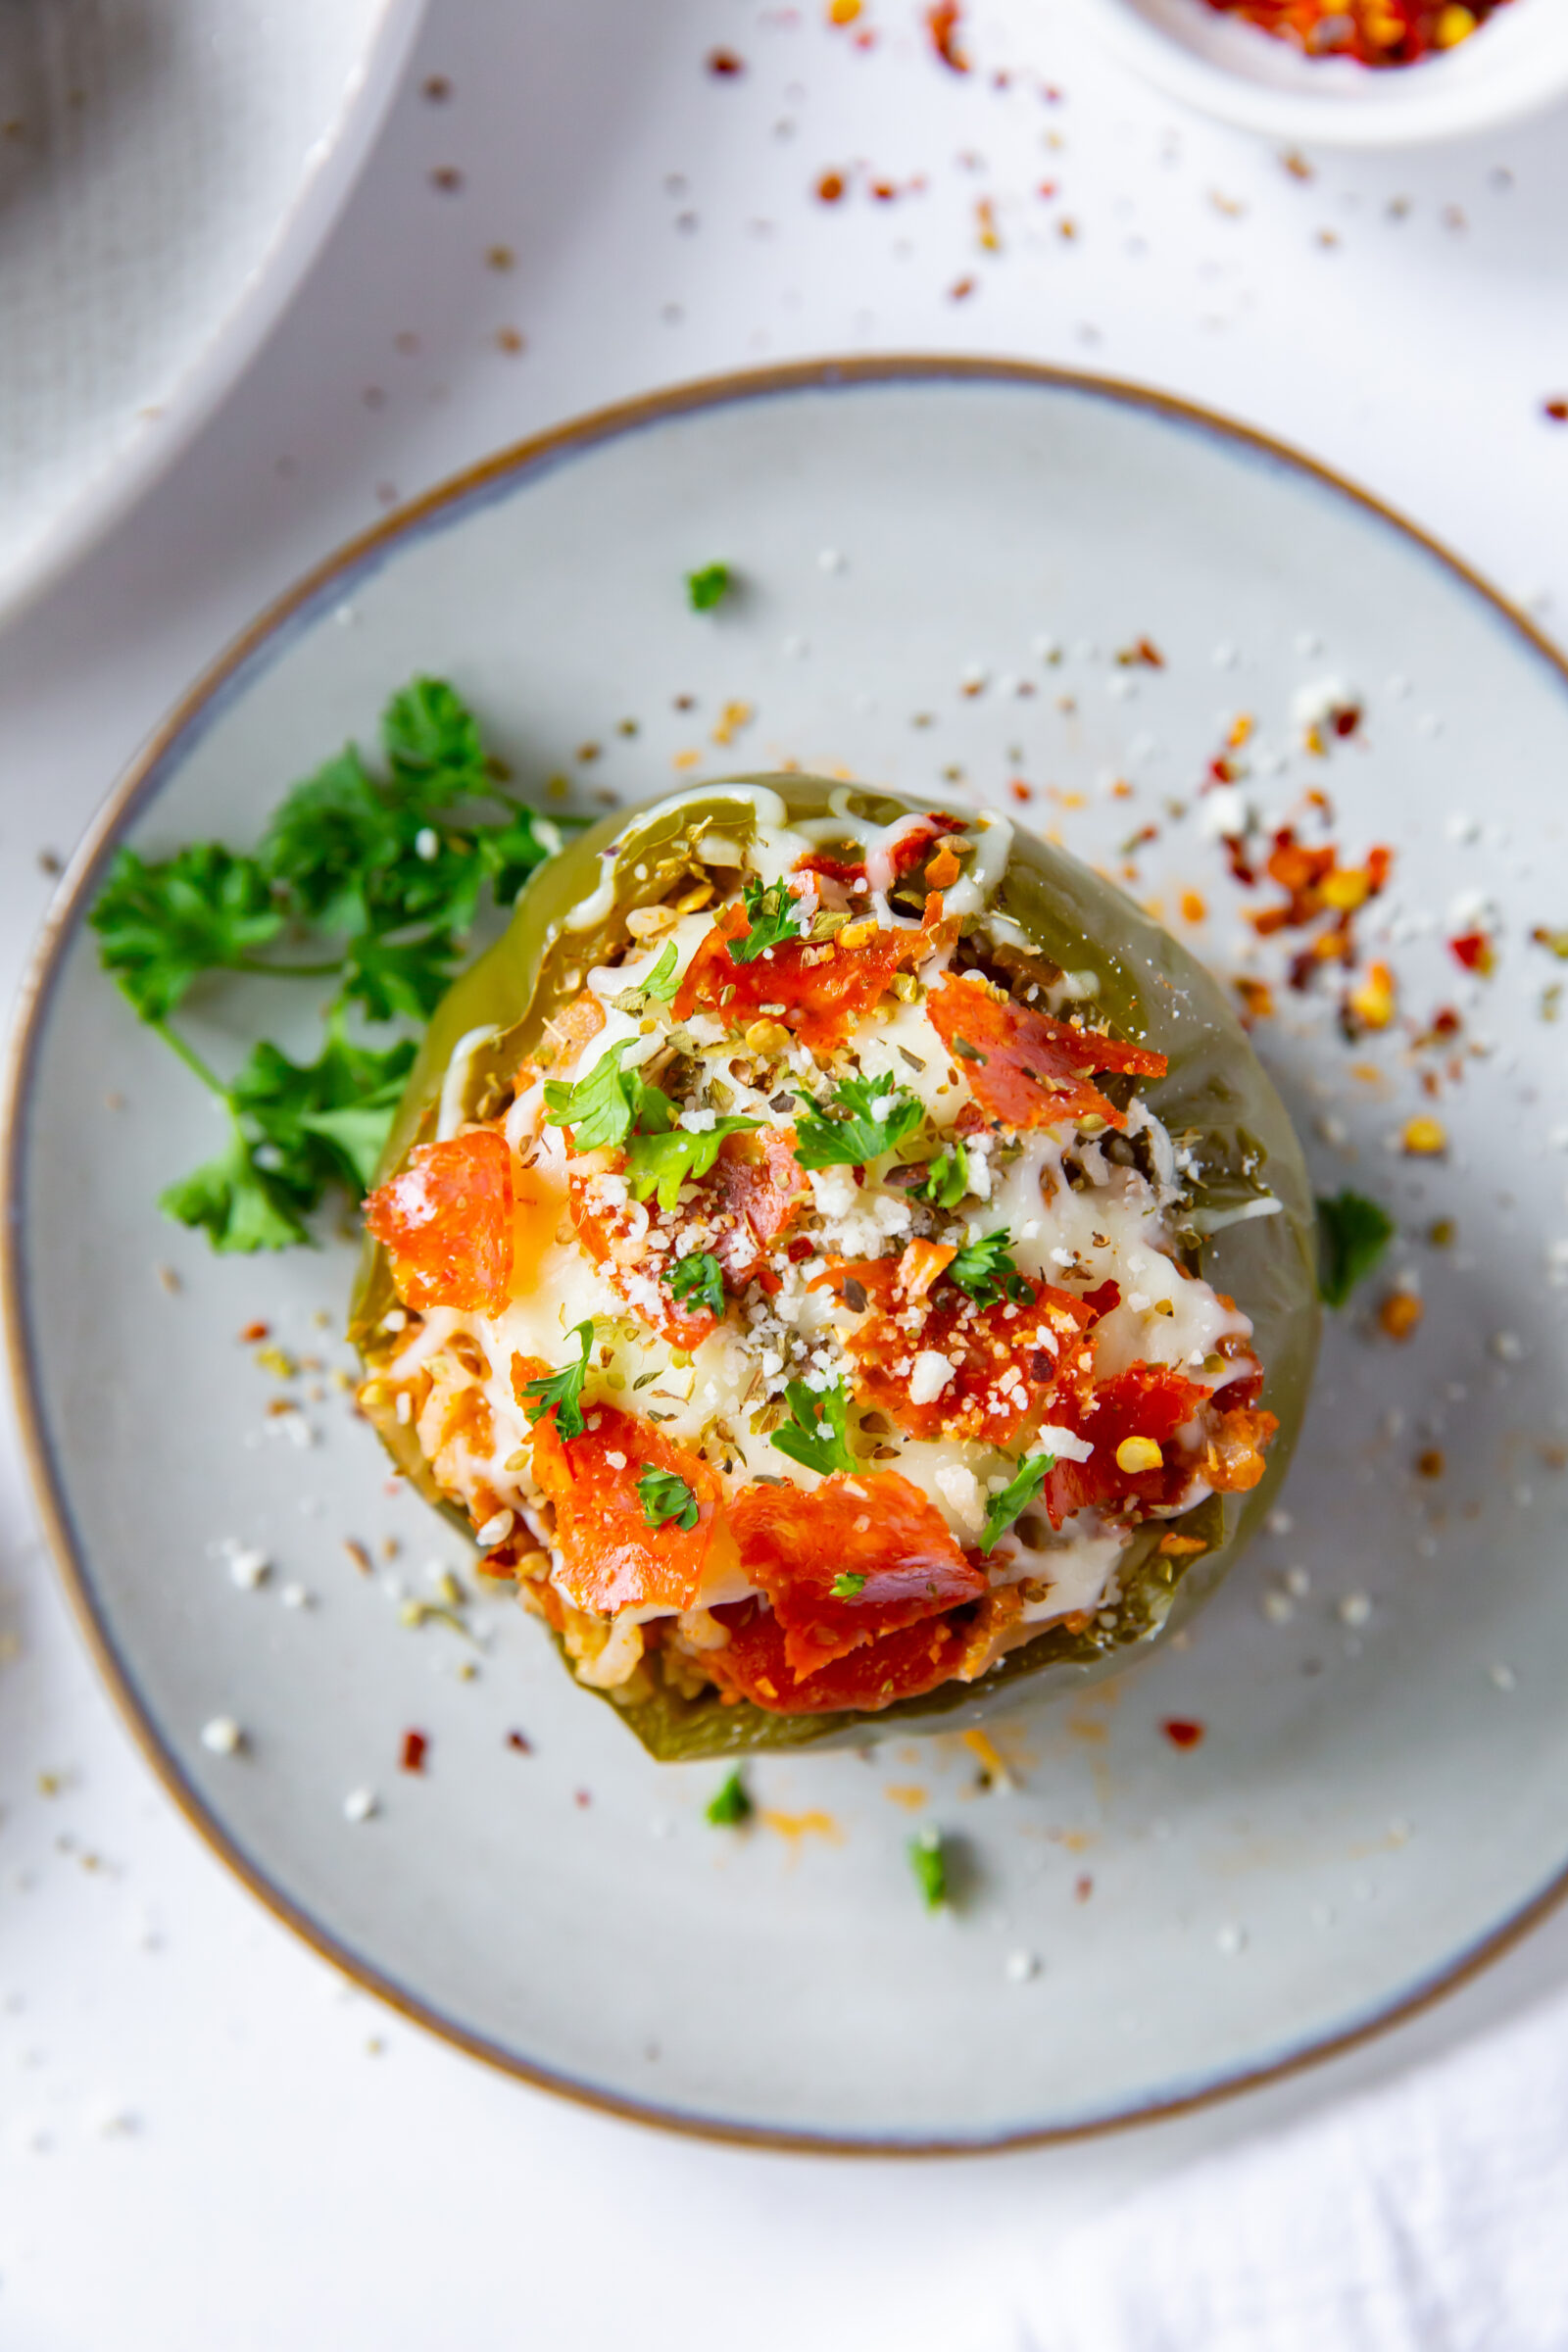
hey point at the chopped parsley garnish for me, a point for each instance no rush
(986, 1271)
(666, 1496)
(947, 1179)
(708, 587)
(774, 916)
(697, 1281)
(1354, 1232)
(561, 1393)
(663, 980)
(603, 1109)
(1016, 1497)
(731, 1805)
(865, 1118)
(662, 1163)
(928, 1859)
(369, 881)
(847, 1586)
(817, 1434)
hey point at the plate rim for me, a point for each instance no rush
(234, 339)
(136, 784)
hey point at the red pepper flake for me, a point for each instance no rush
(830, 188)
(724, 65)
(1083, 1886)
(582, 1796)
(519, 1744)
(1556, 410)
(1181, 1731)
(942, 21)
(800, 1251)
(1473, 949)
(1141, 652)
(1021, 792)
(254, 1333)
(447, 178)
(415, 1744)
(961, 290)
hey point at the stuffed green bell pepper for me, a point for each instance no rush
(843, 1261)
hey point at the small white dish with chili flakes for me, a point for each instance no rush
(1272, 723)
(1294, 69)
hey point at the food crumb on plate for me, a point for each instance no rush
(1019, 1967)
(1231, 1940)
(222, 1736)
(1355, 1609)
(1504, 1677)
(360, 1804)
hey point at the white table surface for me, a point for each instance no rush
(203, 2137)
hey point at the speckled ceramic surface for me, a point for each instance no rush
(938, 576)
(168, 170)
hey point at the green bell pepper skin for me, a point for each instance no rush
(1215, 1093)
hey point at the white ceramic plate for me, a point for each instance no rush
(168, 170)
(1515, 64)
(939, 564)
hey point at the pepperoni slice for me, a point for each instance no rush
(875, 1532)
(446, 1222)
(1146, 1400)
(1024, 1068)
(612, 1236)
(1006, 1360)
(758, 1183)
(613, 1558)
(824, 989)
(899, 1665)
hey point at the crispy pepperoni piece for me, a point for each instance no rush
(613, 1558)
(757, 1181)
(1146, 1400)
(446, 1222)
(824, 989)
(613, 1239)
(1009, 1358)
(876, 1527)
(1024, 1068)
(899, 1665)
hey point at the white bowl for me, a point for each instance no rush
(1515, 64)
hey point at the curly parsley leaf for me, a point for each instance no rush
(326, 841)
(730, 1805)
(239, 1205)
(1353, 1232)
(326, 1121)
(985, 1270)
(865, 1118)
(389, 977)
(1016, 1497)
(666, 1496)
(947, 1179)
(774, 916)
(159, 927)
(663, 1163)
(697, 1281)
(432, 744)
(816, 1436)
(509, 854)
(929, 1862)
(561, 1393)
(847, 1586)
(708, 587)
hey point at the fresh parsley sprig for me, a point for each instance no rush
(662, 1163)
(774, 916)
(665, 1496)
(986, 1271)
(368, 880)
(709, 587)
(603, 1109)
(697, 1282)
(863, 1118)
(817, 1432)
(1353, 1232)
(1016, 1497)
(947, 1179)
(561, 1393)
